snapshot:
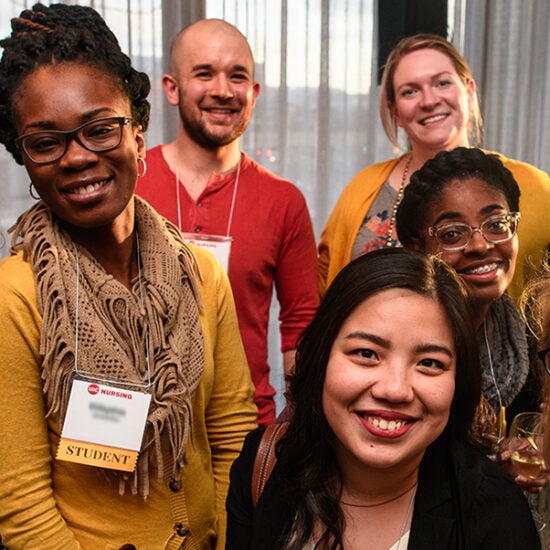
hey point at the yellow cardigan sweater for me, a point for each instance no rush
(351, 208)
(53, 505)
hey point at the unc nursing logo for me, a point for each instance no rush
(93, 389)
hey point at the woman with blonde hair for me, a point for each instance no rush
(429, 93)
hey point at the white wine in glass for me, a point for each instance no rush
(525, 443)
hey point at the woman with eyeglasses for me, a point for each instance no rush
(429, 95)
(462, 206)
(125, 390)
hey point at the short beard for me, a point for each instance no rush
(199, 134)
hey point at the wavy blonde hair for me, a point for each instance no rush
(387, 92)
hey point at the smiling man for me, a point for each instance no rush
(254, 222)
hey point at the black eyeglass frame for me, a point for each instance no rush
(510, 217)
(545, 359)
(73, 134)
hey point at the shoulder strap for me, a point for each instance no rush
(265, 458)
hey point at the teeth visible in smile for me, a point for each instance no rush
(433, 119)
(89, 188)
(481, 269)
(387, 425)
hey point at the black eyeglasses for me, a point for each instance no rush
(99, 135)
(545, 359)
(457, 236)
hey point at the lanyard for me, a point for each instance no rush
(501, 418)
(147, 385)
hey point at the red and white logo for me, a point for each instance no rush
(93, 389)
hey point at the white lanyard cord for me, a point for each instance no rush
(233, 199)
(499, 397)
(178, 201)
(76, 309)
(85, 374)
(144, 313)
(230, 220)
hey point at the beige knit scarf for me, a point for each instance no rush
(113, 323)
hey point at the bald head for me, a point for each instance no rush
(192, 36)
(212, 82)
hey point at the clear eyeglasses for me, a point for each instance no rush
(457, 236)
(98, 135)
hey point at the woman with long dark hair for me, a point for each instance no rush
(379, 452)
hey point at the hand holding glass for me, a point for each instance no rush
(525, 444)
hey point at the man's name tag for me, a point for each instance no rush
(218, 245)
(103, 426)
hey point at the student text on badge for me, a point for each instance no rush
(97, 455)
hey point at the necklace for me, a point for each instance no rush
(379, 503)
(391, 241)
(88, 376)
(406, 520)
(501, 418)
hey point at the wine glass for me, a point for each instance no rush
(525, 444)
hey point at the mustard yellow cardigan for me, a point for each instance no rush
(351, 208)
(52, 505)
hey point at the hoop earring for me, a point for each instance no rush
(35, 197)
(143, 166)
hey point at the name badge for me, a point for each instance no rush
(218, 245)
(103, 426)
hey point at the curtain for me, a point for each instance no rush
(316, 121)
(508, 47)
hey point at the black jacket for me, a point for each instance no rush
(463, 502)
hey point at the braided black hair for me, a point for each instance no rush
(47, 35)
(428, 183)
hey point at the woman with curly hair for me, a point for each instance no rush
(125, 389)
(379, 452)
(463, 206)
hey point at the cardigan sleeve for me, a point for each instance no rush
(29, 517)
(338, 236)
(533, 229)
(230, 412)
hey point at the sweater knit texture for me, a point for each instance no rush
(52, 504)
